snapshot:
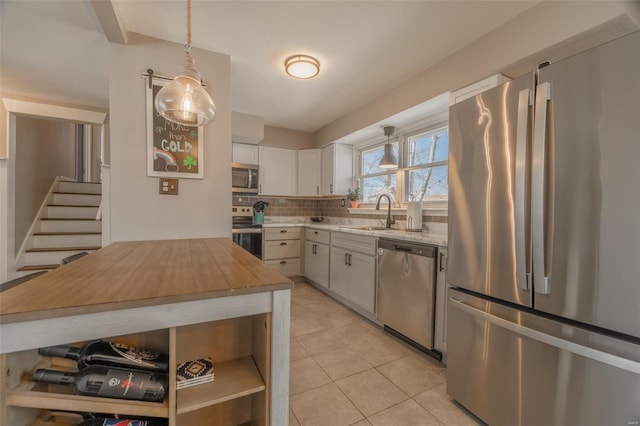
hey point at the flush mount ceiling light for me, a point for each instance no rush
(184, 100)
(302, 66)
(389, 159)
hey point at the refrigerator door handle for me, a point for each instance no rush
(566, 345)
(538, 195)
(522, 233)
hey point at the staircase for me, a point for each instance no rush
(66, 225)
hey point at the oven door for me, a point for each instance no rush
(250, 240)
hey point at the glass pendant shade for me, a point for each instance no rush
(389, 159)
(184, 100)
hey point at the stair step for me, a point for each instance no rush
(52, 256)
(80, 187)
(69, 225)
(75, 199)
(67, 233)
(69, 218)
(77, 193)
(66, 240)
(72, 212)
(71, 205)
(50, 249)
(38, 267)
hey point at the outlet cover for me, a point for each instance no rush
(168, 186)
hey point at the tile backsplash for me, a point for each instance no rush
(280, 206)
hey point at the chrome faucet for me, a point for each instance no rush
(390, 219)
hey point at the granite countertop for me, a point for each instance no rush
(434, 233)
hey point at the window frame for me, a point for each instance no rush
(435, 128)
(402, 137)
(388, 172)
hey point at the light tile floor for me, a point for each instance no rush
(346, 371)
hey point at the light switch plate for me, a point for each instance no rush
(168, 186)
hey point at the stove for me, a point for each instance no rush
(244, 232)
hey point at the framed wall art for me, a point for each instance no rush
(173, 150)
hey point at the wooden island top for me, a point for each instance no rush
(192, 297)
(141, 273)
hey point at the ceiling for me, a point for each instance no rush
(365, 47)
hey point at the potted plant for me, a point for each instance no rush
(354, 196)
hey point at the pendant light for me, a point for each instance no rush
(389, 159)
(184, 100)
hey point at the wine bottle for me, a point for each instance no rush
(122, 422)
(109, 382)
(101, 352)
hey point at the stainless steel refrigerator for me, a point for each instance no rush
(544, 244)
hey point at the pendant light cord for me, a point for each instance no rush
(188, 47)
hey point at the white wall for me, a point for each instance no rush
(537, 30)
(46, 149)
(287, 138)
(137, 211)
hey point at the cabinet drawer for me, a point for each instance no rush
(287, 233)
(317, 235)
(289, 267)
(359, 243)
(281, 249)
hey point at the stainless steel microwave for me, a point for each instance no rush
(244, 178)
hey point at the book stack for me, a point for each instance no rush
(196, 372)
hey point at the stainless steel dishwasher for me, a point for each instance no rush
(406, 291)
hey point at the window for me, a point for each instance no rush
(374, 180)
(422, 173)
(426, 175)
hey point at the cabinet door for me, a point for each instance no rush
(316, 263)
(337, 169)
(362, 279)
(339, 272)
(309, 172)
(322, 264)
(310, 261)
(343, 169)
(440, 332)
(327, 170)
(245, 153)
(277, 171)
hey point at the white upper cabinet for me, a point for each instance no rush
(337, 169)
(278, 171)
(309, 172)
(245, 153)
(477, 88)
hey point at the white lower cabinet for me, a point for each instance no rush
(316, 263)
(440, 334)
(352, 270)
(281, 249)
(316, 256)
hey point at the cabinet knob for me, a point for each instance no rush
(331, 188)
(282, 262)
(283, 244)
(283, 231)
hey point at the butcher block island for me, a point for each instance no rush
(191, 299)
